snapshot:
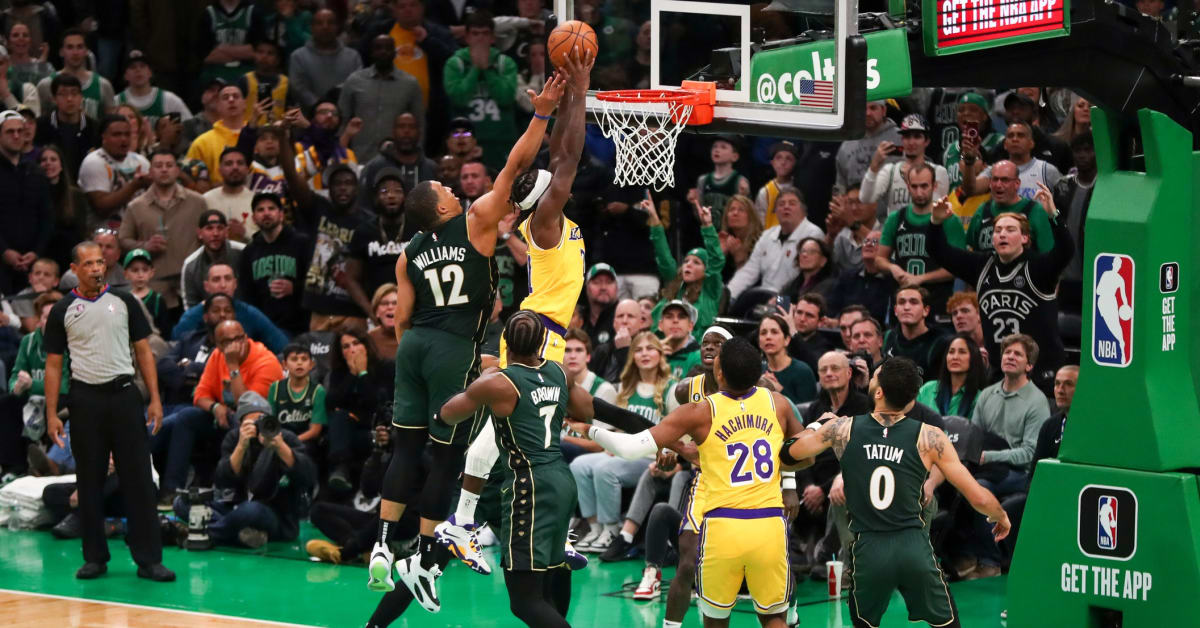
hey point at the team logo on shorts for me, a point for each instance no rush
(1107, 522)
(1112, 310)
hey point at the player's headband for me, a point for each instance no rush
(718, 330)
(539, 188)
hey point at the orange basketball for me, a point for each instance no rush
(566, 37)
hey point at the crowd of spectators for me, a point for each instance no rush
(243, 165)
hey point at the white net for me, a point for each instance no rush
(645, 134)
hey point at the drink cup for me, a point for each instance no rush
(833, 572)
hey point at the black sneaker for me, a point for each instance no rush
(339, 480)
(617, 551)
(91, 571)
(156, 572)
(166, 500)
(71, 527)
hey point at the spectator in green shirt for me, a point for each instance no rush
(963, 375)
(481, 84)
(699, 279)
(680, 346)
(793, 378)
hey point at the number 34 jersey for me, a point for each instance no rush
(740, 456)
(883, 472)
(455, 285)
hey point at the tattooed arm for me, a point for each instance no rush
(936, 451)
(834, 433)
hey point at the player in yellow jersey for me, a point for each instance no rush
(739, 433)
(556, 266)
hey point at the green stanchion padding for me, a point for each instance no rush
(1055, 584)
(1142, 414)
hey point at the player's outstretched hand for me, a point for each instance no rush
(545, 102)
(578, 427)
(579, 69)
(1001, 528)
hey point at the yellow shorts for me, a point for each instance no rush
(693, 510)
(553, 348)
(743, 544)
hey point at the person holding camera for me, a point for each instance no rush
(263, 483)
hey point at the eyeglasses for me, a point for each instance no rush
(1005, 179)
(871, 242)
(461, 134)
(105, 231)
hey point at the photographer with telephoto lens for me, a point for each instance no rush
(263, 483)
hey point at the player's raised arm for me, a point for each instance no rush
(493, 390)
(487, 212)
(566, 147)
(683, 421)
(406, 297)
(937, 450)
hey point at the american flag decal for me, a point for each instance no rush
(815, 93)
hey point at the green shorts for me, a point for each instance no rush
(882, 562)
(535, 508)
(432, 366)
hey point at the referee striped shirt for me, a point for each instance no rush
(97, 333)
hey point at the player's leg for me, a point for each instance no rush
(459, 533)
(391, 606)
(402, 479)
(768, 568)
(558, 589)
(526, 599)
(679, 594)
(720, 569)
(922, 584)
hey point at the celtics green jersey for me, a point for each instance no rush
(297, 410)
(152, 112)
(530, 435)
(907, 233)
(647, 405)
(92, 96)
(952, 157)
(884, 475)
(455, 285)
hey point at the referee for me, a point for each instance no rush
(97, 326)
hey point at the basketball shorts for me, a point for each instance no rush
(536, 508)
(693, 513)
(743, 544)
(553, 346)
(882, 562)
(431, 366)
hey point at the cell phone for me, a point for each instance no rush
(264, 92)
(175, 117)
(784, 302)
(896, 150)
(972, 133)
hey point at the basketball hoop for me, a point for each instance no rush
(645, 124)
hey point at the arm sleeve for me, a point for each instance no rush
(627, 446)
(210, 380)
(54, 338)
(1045, 269)
(620, 418)
(662, 253)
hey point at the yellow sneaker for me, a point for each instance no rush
(324, 551)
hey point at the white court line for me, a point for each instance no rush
(155, 608)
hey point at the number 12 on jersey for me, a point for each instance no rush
(452, 274)
(762, 468)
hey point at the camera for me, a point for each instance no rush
(866, 357)
(268, 426)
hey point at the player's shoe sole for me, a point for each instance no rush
(463, 543)
(380, 570)
(574, 559)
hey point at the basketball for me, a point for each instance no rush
(1125, 312)
(566, 36)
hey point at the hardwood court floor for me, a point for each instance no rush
(235, 588)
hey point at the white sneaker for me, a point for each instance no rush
(793, 616)
(380, 569)
(487, 537)
(421, 582)
(463, 542)
(585, 544)
(650, 586)
(602, 541)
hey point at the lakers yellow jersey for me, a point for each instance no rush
(740, 457)
(555, 274)
(696, 388)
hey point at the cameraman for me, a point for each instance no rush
(264, 480)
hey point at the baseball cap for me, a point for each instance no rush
(136, 254)
(688, 308)
(1017, 98)
(733, 140)
(249, 403)
(596, 269)
(135, 56)
(784, 145)
(9, 114)
(210, 216)
(972, 98)
(327, 177)
(216, 82)
(914, 122)
(461, 123)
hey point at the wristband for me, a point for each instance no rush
(591, 433)
(814, 426)
(541, 117)
(788, 480)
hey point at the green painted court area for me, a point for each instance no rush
(282, 585)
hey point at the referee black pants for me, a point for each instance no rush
(109, 418)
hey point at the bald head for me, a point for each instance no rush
(834, 371)
(228, 331)
(627, 315)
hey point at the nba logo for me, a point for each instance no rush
(1112, 311)
(1106, 520)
